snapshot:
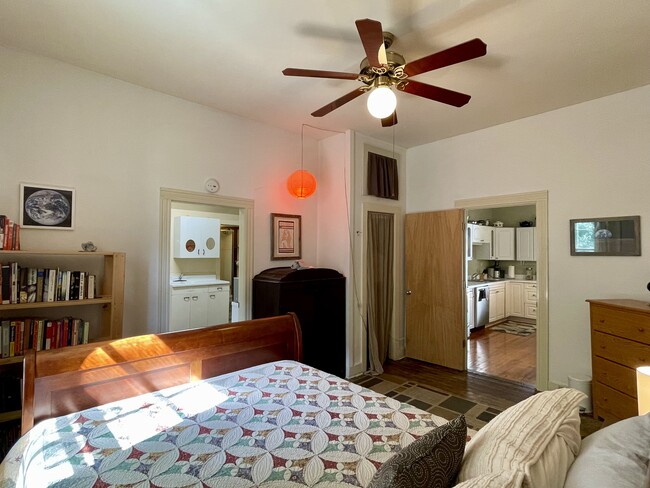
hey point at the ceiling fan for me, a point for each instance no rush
(382, 70)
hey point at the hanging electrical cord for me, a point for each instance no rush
(356, 295)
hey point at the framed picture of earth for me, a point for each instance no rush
(46, 207)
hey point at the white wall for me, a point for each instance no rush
(594, 160)
(333, 198)
(117, 144)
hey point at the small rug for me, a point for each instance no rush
(445, 405)
(430, 399)
(517, 328)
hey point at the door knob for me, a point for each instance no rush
(408, 292)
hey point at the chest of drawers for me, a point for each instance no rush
(620, 342)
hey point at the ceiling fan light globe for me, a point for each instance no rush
(381, 102)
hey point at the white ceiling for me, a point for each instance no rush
(229, 54)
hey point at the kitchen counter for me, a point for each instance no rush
(197, 280)
(474, 283)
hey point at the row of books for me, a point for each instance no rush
(30, 285)
(9, 234)
(20, 335)
(9, 434)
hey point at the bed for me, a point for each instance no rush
(226, 406)
(232, 406)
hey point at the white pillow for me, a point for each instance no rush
(618, 455)
(538, 438)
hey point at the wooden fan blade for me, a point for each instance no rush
(436, 93)
(462, 52)
(315, 73)
(338, 102)
(372, 38)
(390, 120)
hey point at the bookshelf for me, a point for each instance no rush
(110, 287)
(105, 310)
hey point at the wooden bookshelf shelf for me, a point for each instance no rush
(60, 303)
(11, 415)
(12, 360)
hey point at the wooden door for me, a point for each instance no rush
(435, 308)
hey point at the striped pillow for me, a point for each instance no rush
(521, 439)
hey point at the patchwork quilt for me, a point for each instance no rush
(281, 424)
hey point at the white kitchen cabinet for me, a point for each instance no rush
(196, 237)
(503, 243)
(497, 301)
(188, 308)
(530, 300)
(481, 234)
(515, 299)
(199, 306)
(470, 308)
(218, 298)
(526, 244)
(481, 241)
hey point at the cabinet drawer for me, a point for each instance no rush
(619, 377)
(498, 287)
(530, 286)
(531, 296)
(617, 404)
(530, 310)
(635, 326)
(628, 353)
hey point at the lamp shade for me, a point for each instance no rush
(643, 389)
(301, 183)
(381, 102)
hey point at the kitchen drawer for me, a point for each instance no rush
(530, 310)
(530, 295)
(612, 374)
(622, 351)
(613, 405)
(500, 286)
(530, 286)
(635, 326)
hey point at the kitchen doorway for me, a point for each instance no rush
(237, 220)
(512, 342)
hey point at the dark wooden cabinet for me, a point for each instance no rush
(317, 297)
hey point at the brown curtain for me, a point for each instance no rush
(382, 176)
(379, 287)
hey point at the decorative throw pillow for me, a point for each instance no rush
(529, 438)
(431, 461)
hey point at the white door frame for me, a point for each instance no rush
(245, 206)
(540, 200)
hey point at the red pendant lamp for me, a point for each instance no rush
(301, 183)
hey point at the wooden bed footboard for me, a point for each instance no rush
(62, 381)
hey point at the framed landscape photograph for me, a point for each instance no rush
(285, 236)
(46, 207)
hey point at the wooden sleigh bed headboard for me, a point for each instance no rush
(62, 381)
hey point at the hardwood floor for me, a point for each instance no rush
(507, 356)
(475, 387)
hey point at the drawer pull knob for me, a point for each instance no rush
(602, 321)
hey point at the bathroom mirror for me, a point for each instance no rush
(609, 236)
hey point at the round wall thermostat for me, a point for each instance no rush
(212, 185)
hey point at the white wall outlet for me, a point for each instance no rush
(212, 185)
